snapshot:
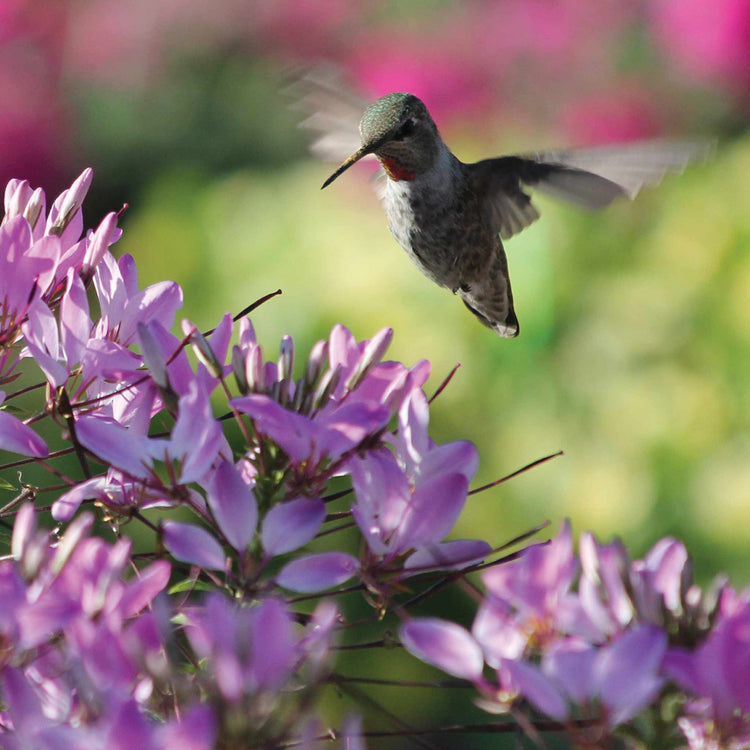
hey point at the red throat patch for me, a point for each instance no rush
(395, 171)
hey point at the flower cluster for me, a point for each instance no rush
(229, 516)
(595, 640)
(206, 636)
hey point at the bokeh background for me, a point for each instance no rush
(635, 323)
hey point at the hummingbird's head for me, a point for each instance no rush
(398, 129)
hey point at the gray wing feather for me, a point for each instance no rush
(591, 178)
(330, 111)
(631, 167)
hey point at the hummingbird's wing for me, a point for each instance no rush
(591, 178)
(330, 112)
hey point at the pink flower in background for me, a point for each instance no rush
(626, 113)
(447, 83)
(707, 39)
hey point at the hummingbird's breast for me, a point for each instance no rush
(439, 221)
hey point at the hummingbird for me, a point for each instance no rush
(452, 217)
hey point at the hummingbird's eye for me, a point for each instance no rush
(405, 130)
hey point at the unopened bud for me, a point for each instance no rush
(105, 234)
(205, 354)
(254, 369)
(17, 195)
(316, 362)
(326, 387)
(371, 355)
(238, 370)
(35, 207)
(286, 357)
(73, 200)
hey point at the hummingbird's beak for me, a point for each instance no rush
(356, 156)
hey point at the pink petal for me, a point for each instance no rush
(115, 445)
(273, 651)
(288, 526)
(193, 545)
(459, 457)
(534, 686)
(293, 432)
(141, 591)
(445, 645)
(570, 666)
(448, 555)
(75, 323)
(68, 503)
(233, 505)
(627, 672)
(158, 302)
(17, 437)
(196, 730)
(318, 572)
(432, 511)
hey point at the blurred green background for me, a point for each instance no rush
(633, 356)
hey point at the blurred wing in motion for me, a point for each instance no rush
(331, 112)
(591, 177)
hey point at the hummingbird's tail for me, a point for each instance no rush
(490, 298)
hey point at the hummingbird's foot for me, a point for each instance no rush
(465, 288)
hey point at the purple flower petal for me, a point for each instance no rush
(106, 234)
(432, 511)
(70, 200)
(413, 418)
(75, 323)
(346, 426)
(68, 503)
(273, 646)
(293, 432)
(626, 674)
(459, 457)
(534, 686)
(43, 343)
(23, 531)
(116, 445)
(499, 633)
(233, 505)
(158, 302)
(17, 437)
(18, 269)
(351, 733)
(383, 493)
(666, 562)
(342, 349)
(196, 730)
(129, 728)
(570, 666)
(141, 591)
(196, 436)
(448, 555)
(317, 572)
(444, 645)
(288, 526)
(193, 545)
